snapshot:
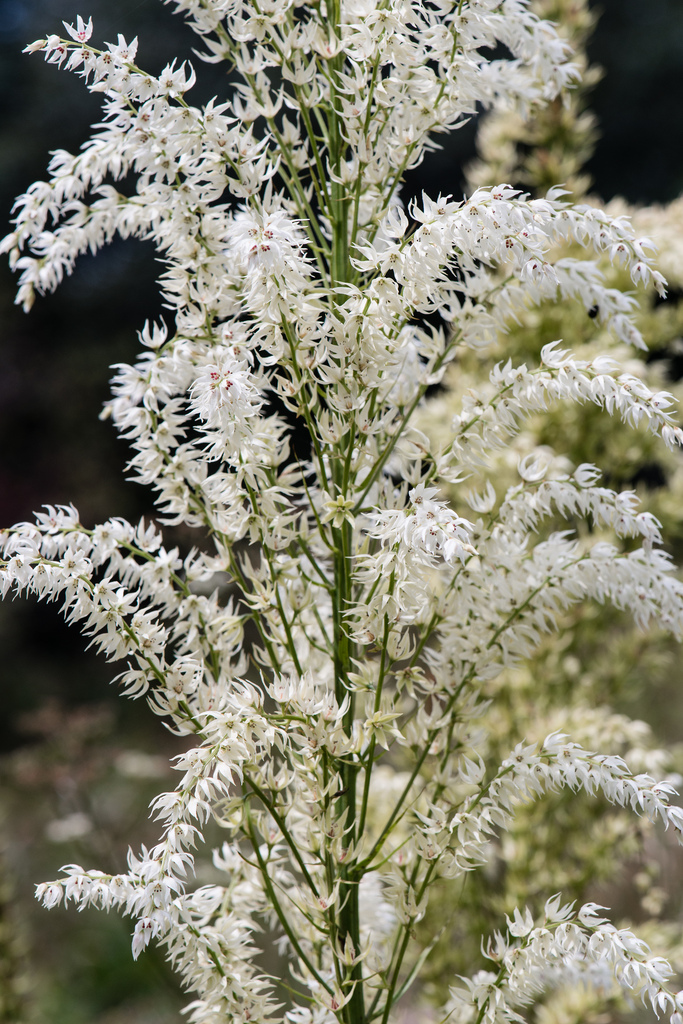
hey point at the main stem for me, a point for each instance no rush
(349, 912)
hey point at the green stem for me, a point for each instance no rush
(279, 820)
(275, 903)
(369, 761)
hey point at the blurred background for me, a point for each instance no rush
(77, 765)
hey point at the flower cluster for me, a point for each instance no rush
(326, 646)
(581, 946)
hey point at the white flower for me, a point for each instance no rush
(82, 32)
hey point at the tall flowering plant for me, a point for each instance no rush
(326, 643)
